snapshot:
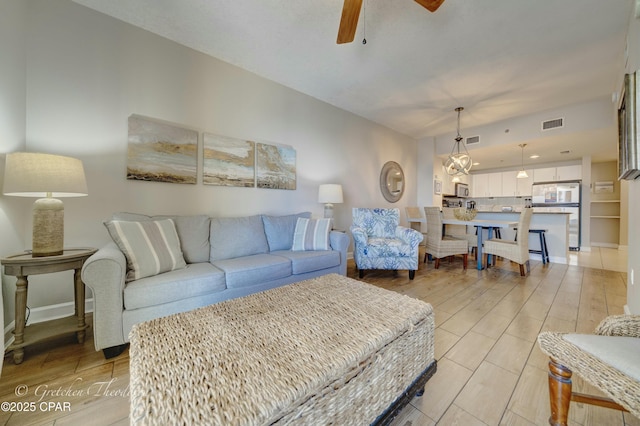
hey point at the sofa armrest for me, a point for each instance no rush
(340, 241)
(619, 325)
(410, 236)
(104, 274)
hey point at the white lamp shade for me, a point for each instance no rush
(30, 174)
(522, 174)
(330, 193)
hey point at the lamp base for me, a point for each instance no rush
(328, 211)
(48, 227)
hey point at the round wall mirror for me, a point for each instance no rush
(392, 181)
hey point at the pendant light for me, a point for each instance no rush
(458, 163)
(522, 174)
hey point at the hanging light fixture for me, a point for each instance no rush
(459, 163)
(522, 174)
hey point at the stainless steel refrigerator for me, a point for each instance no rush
(564, 196)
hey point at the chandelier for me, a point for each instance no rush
(458, 163)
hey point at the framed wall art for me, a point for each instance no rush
(628, 131)
(161, 152)
(228, 161)
(437, 187)
(275, 166)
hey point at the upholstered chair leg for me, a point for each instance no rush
(464, 260)
(493, 259)
(425, 257)
(437, 263)
(559, 393)
(522, 273)
(412, 274)
(360, 273)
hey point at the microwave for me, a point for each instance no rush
(462, 190)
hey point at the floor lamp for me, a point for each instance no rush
(50, 177)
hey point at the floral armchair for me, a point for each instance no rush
(380, 243)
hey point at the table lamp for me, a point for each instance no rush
(329, 193)
(30, 174)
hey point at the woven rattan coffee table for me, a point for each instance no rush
(329, 350)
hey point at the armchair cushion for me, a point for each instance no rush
(621, 353)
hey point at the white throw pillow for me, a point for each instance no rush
(151, 246)
(311, 234)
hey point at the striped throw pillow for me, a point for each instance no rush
(311, 234)
(151, 246)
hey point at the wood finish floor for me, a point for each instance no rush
(490, 370)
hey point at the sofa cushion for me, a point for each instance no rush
(193, 232)
(251, 270)
(150, 247)
(194, 280)
(311, 234)
(236, 237)
(279, 230)
(309, 261)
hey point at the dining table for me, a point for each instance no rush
(489, 224)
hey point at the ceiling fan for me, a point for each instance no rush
(351, 13)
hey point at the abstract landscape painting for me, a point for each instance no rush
(161, 152)
(228, 161)
(275, 167)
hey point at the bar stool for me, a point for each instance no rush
(544, 251)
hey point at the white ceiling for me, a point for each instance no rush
(498, 58)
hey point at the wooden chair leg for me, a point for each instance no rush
(464, 260)
(412, 274)
(436, 263)
(485, 260)
(522, 274)
(559, 393)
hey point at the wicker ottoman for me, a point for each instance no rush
(329, 350)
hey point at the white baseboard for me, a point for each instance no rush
(46, 313)
(623, 248)
(605, 245)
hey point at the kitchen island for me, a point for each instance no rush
(556, 224)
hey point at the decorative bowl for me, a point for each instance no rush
(462, 213)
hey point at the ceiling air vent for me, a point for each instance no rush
(472, 140)
(556, 123)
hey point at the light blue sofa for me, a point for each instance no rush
(225, 258)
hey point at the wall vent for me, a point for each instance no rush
(556, 123)
(471, 140)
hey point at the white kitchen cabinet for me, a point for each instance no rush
(550, 174)
(494, 184)
(480, 185)
(569, 172)
(509, 184)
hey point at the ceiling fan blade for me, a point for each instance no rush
(349, 21)
(430, 5)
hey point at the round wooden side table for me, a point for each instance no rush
(24, 264)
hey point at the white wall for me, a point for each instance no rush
(12, 133)
(86, 73)
(633, 289)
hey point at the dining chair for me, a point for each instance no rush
(459, 231)
(415, 219)
(608, 360)
(439, 245)
(516, 251)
